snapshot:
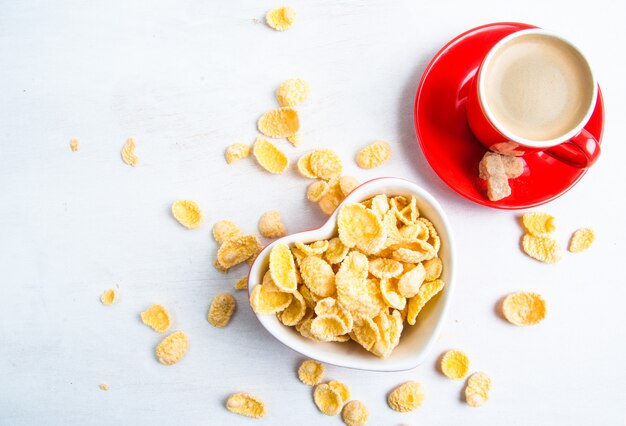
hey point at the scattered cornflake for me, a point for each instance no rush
(172, 348)
(225, 230)
(187, 213)
(373, 155)
(406, 397)
(242, 283)
(279, 122)
(581, 240)
(238, 249)
(524, 308)
(128, 153)
(316, 191)
(281, 18)
(269, 157)
(543, 249)
(332, 198)
(304, 165)
(295, 140)
(271, 225)
(325, 164)
(236, 151)
(104, 386)
(327, 399)
(311, 372)
(109, 297)
(341, 389)
(292, 92)
(74, 144)
(246, 405)
(157, 317)
(454, 364)
(539, 224)
(347, 184)
(221, 310)
(477, 389)
(355, 413)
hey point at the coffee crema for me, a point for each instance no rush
(538, 87)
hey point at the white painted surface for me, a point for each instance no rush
(188, 78)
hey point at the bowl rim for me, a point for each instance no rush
(375, 363)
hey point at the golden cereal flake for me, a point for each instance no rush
(317, 190)
(336, 251)
(373, 155)
(187, 213)
(292, 92)
(236, 151)
(172, 348)
(406, 397)
(269, 157)
(433, 236)
(225, 230)
(266, 301)
(365, 332)
(543, 249)
(318, 276)
(391, 296)
(333, 197)
(477, 389)
(294, 139)
(361, 228)
(327, 399)
(433, 268)
(246, 405)
(524, 308)
(311, 372)
(341, 389)
(74, 144)
(128, 153)
(325, 164)
(293, 313)
(385, 268)
(355, 413)
(329, 306)
(539, 224)
(157, 317)
(410, 282)
(581, 240)
(414, 252)
(271, 225)
(281, 18)
(316, 248)
(221, 310)
(279, 123)
(304, 165)
(242, 283)
(109, 297)
(238, 249)
(283, 268)
(427, 291)
(104, 386)
(347, 184)
(326, 327)
(454, 364)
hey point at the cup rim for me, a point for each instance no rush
(510, 135)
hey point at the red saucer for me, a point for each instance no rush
(450, 147)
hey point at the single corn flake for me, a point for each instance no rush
(294, 139)
(355, 413)
(341, 389)
(411, 281)
(304, 165)
(292, 92)
(524, 308)
(279, 123)
(271, 225)
(391, 295)
(269, 157)
(311, 372)
(326, 327)
(477, 389)
(581, 240)
(316, 191)
(316, 248)
(221, 310)
(360, 227)
(238, 249)
(539, 224)
(406, 397)
(373, 155)
(454, 364)
(325, 164)
(109, 297)
(347, 184)
(104, 386)
(333, 197)
(225, 230)
(336, 251)
(433, 268)
(385, 268)
(236, 151)
(246, 405)
(157, 317)
(281, 18)
(172, 348)
(365, 332)
(187, 213)
(543, 249)
(283, 268)
(242, 283)
(128, 153)
(427, 291)
(265, 301)
(293, 313)
(328, 400)
(74, 144)
(318, 276)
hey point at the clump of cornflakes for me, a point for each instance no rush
(373, 155)
(477, 389)
(524, 308)
(157, 318)
(281, 18)
(292, 92)
(543, 249)
(311, 372)
(109, 297)
(221, 310)
(454, 364)
(355, 413)
(74, 144)
(246, 405)
(279, 122)
(187, 213)
(172, 348)
(406, 397)
(271, 225)
(269, 157)
(128, 153)
(581, 240)
(236, 151)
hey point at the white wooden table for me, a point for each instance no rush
(188, 78)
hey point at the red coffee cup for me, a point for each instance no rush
(535, 91)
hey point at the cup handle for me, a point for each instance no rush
(581, 151)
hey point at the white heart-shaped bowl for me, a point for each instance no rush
(417, 340)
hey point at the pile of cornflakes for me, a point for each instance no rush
(235, 246)
(364, 284)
